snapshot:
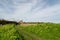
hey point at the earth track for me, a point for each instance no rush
(27, 36)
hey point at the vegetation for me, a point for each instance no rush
(47, 31)
(2, 22)
(8, 32)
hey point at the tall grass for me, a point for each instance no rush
(47, 31)
(8, 32)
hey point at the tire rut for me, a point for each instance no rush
(27, 36)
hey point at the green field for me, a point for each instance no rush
(43, 31)
(8, 32)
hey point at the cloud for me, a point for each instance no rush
(30, 10)
(47, 13)
(21, 10)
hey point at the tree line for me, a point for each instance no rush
(7, 22)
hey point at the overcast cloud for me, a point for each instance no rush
(30, 10)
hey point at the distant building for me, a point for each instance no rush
(21, 22)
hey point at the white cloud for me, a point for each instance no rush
(21, 11)
(49, 11)
(30, 10)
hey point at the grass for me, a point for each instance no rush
(8, 32)
(47, 31)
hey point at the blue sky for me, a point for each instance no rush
(30, 10)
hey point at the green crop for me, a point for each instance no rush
(47, 31)
(8, 32)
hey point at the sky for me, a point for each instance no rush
(30, 10)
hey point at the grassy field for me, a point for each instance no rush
(8, 32)
(46, 31)
(42, 31)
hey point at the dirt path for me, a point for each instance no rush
(25, 25)
(28, 36)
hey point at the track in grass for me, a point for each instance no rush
(26, 35)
